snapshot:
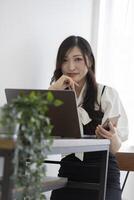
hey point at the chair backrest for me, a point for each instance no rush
(6, 152)
(125, 161)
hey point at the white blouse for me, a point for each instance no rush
(111, 106)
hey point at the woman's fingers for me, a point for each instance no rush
(64, 82)
(112, 128)
(104, 133)
(98, 135)
(68, 82)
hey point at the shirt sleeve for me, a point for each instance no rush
(112, 106)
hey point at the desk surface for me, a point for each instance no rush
(78, 145)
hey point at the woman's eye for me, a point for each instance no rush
(78, 59)
(65, 60)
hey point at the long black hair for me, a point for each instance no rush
(85, 48)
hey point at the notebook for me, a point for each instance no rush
(64, 118)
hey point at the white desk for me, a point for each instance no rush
(60, 146)
(68, 146)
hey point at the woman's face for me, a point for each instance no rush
(74, 66)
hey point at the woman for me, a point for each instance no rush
(75, 69)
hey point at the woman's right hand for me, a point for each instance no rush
(62, 83)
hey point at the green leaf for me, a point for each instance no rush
(50, 97)
(58, 102)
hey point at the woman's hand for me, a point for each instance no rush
(103, 133)
(115, 141)
(63, 82)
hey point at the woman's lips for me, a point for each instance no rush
(72, 74)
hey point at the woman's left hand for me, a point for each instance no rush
(111, 134)
(103, 133)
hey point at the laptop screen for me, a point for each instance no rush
(64, 118)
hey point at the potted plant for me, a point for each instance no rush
(27, 117)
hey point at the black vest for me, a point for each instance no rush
(95, 115)
(113, 177)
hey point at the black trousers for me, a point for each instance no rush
(76, 170)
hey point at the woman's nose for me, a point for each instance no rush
(71, 65)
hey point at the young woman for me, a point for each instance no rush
(75, 69)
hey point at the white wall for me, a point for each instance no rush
(30, 33)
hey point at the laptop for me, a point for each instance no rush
(64, 118)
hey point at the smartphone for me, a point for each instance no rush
(113, 120)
